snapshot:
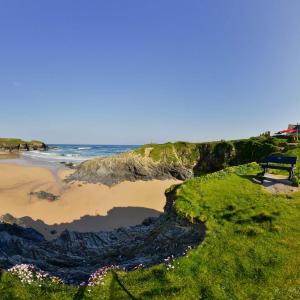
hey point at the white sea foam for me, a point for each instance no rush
(74, 153)
(53, 157)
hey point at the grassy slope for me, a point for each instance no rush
(172, 152)
(227, 152)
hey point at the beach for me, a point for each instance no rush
(124, 204)
(8, 155)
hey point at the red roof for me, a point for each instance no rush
(288, 131)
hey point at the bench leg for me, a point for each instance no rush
(263, 176)
(266, 170)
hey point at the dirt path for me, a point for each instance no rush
(278, 184)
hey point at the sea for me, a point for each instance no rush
(59, 154)
(76, 152)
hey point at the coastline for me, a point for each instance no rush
(127, 202)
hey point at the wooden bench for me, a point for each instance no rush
(277, 159)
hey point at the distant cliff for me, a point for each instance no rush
(180, 160)
(13, 145)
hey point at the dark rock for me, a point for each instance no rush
(70, 165)
(148, 221)
(18, 232)
(44, 195)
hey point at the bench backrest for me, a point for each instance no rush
(281, 159)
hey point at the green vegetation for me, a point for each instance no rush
(10, 141)
(184, 152)
(18, 141)
(213, 156)
(251, 249)
(18, 144)
(295, 152)
(12, 288)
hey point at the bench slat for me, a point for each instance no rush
(281, 159)
(277, 167)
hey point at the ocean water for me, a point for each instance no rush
(76, 153)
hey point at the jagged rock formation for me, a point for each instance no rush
(73, 256)
(179, 160)
(13, 145)
(128, 166)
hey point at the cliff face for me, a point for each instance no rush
(13, 145)
(179, 160)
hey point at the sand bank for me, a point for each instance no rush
(75, 199)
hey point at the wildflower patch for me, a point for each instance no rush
(29, 274)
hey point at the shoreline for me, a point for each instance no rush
(92, 207)
(18, 158)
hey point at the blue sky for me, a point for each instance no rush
(132, 71)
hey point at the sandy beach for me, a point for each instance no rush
(77, 199)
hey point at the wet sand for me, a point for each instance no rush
(75, 199)
(8, 155)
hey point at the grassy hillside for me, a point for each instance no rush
(17, 141)
(213, 156)
(251, 249)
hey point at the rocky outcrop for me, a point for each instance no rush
(128, 167)
(14, 145)
(73, 255)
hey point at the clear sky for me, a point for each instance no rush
(132, 71)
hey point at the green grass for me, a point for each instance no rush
(10, 141)
(15, 141)
(251, 249)
(183, 152)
